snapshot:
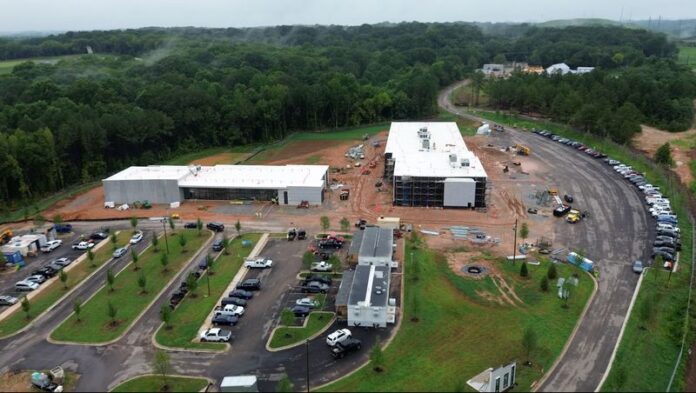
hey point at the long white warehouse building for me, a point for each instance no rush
(288, 184)
(429, 165)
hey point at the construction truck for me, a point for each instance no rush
(522, 150)
(5, 236)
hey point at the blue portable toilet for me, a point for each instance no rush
(15, 258)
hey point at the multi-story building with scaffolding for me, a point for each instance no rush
(428, 164)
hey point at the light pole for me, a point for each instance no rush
(514, 245)
(307, 359)
(207, 271)
(164, 226)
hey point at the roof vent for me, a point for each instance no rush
(378, 290)
(465, 162)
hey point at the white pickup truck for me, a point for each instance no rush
(258, 263)
(230, 309)
(82, 246)
(322, 266)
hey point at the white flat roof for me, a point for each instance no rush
(230, 176)
(443, 156)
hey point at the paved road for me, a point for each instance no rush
(616, 234)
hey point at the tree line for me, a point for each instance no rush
(607, 103)
(149, 94)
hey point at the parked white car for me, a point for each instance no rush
(338, 336)
(7, 300)
(37, 278)
(307, 302)
(230, 309)
(258, 263)
(25, 285)
(121, 251)
(51, 245)
(82, 246)
(136, 238)
(322, 266)
(216, 334)
(61, 262)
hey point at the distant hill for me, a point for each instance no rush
(578, 22)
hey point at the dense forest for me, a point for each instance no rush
(148, 94)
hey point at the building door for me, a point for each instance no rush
(285, 197)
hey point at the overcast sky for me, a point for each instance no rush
(51, 15)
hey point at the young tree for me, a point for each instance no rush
(110, 279)
(226, 245)
(552, 273)
(544, 283)
(91, 256)
(164, 261)
(210, 261)
(335, 262)
(192, 285)
(39, 220)
(345, 224)
(135, 257)
(142, 283)
(325, 223)
(26, 307)
(63, 276)
(77, 308)
(57, 219)
(377, 357)
(199, 226)
(238, 227)
(284, 385)
(111, 312)
(529, 342)
(114, 241)
(663, 155)
(162, 366)
(166, 316)
(155, 242)
(523, 270)
(182, 242)
(171, 222)
(287, 318)
(134, 223)
(524, 231)
(307, 259)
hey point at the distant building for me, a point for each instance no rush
(372, 246)
(560, 68)
(492, 380)
(494, 70)
(583, 70)
(534, 70)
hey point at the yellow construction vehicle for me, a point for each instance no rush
(5, 236)
(523, 150)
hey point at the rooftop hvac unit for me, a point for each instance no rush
(465, 162)
(453, 158)
(423, 132)
(426, 144)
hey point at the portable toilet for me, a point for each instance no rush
(14, 258)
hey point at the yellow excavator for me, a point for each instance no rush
(523, 150)
(5, 236)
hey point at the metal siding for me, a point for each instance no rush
(299, 194)
(459, 193)
(129, 191)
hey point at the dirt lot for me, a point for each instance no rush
(650, 139)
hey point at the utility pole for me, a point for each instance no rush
(307, 359)
(514, 245)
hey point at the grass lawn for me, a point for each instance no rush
(453, 329)
(154, 383)
(466, 127)
(646, 357)
(56, 289)
(95, 325)
(292, 335)
(687, 56)
(187, 158)
(190, 314)
(6, 66)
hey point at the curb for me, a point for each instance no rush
(304, 325)
(621, 333)
(210, 380)
(137, 318)
(537, 385)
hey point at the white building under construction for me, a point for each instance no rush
(429, 165)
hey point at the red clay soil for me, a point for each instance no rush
(650, 139)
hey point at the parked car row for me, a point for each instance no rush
(39, 276)
(341, 343)
(229, 311)
(667, 242)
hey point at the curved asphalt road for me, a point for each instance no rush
(615, 234)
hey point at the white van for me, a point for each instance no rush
(663, 226)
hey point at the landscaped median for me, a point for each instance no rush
(455, 327)
(155, 383)
(191, 313)
(55, 290)
(97, 323)
(284, 337)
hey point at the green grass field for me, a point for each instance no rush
(7, 66)
(95, 326)
(461, 329)
(190, 314)
(687, 56)
(284, 336)
(154, 383)
(645, 358)
(56, 290)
